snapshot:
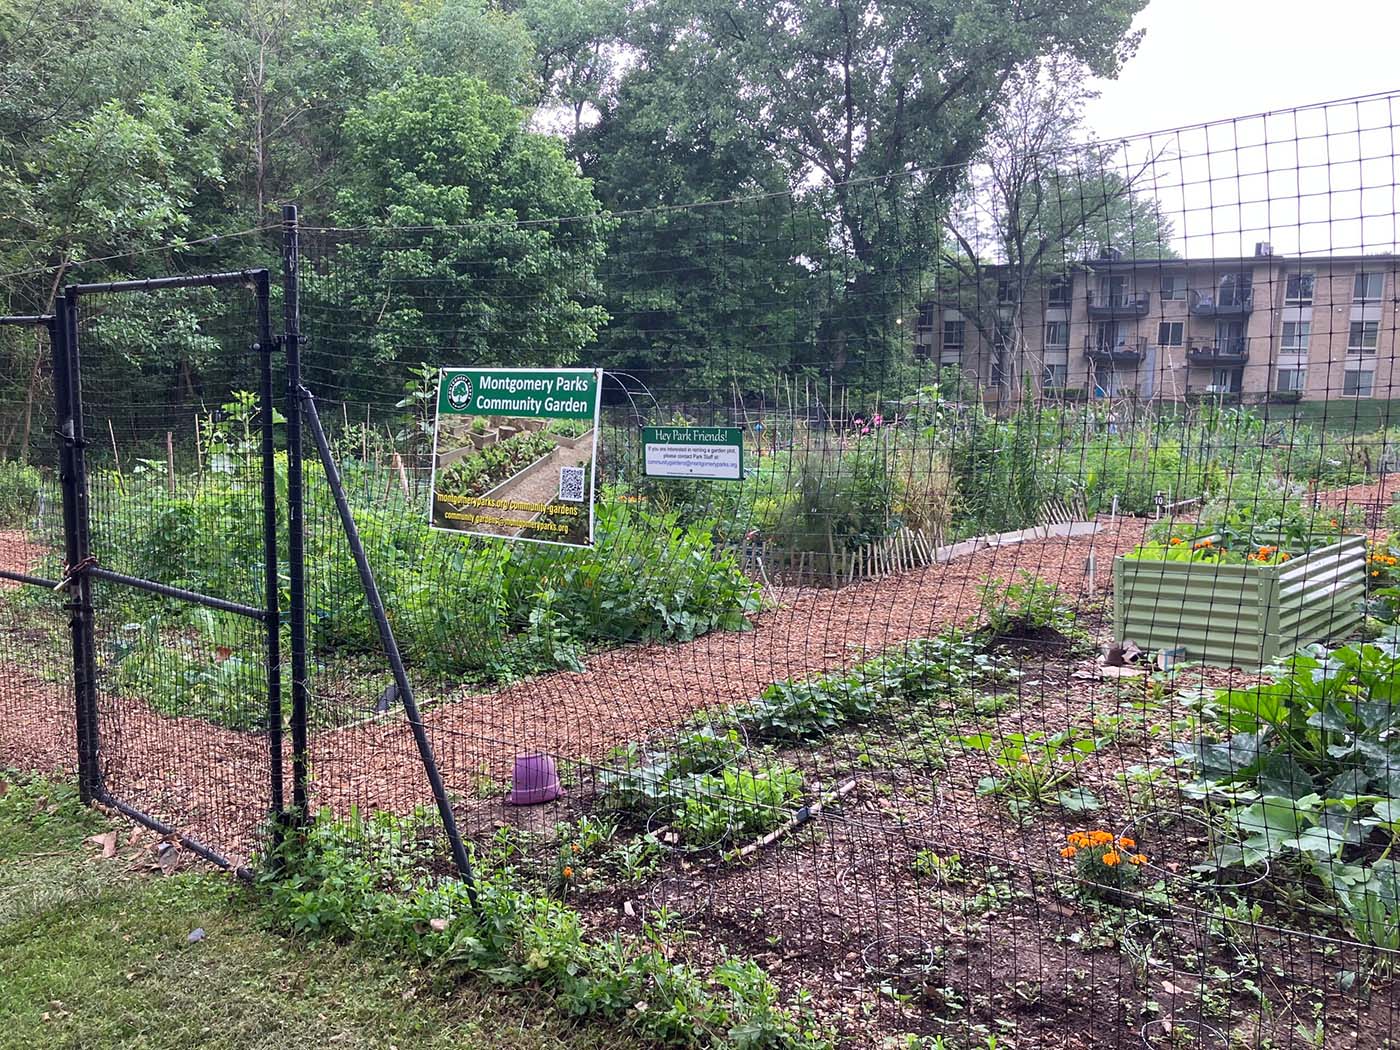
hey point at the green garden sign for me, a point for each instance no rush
(704, 453)
(514, 452)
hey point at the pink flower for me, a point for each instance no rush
(878, 420)
(865, 430)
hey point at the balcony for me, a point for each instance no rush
(1128, 353)
(1123, 304)
(1212, 352)
(1232, 303)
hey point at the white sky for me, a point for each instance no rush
(1315, 180)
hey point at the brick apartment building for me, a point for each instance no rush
(1263, 327)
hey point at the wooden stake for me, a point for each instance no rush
(170, 461)
(115, 454)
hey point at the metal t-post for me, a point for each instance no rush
(77, 544)
(271, 581)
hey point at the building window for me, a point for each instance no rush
(1292, 379)
(1358, 382)
(926, 318)
(1295, 336)
(1055, 377)
(1235, 289)
(1299, 288)
(1226, 380)
(1057, 333)
(954, 336)
(1006, 291)
(1368, 286)
(1173, 287)
(1363, 336)
(1058, 291)
(1171, 333)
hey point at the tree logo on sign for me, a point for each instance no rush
(459, 392)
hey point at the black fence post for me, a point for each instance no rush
(271, 582)
(391, 649)
(76, 542)
(296, 509)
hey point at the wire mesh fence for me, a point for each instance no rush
(1031, 685)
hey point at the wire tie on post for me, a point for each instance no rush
(70, 574)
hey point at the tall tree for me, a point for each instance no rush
(1040, 198)
(480, 242)
(880, 103)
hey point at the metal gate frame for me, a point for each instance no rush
(81, 565)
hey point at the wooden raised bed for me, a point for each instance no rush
(1242, 616)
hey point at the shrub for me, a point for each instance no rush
(458, 605)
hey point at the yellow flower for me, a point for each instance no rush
(1110, 858)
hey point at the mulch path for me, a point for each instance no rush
(213, 781)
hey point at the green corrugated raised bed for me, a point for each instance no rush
(1240, 615)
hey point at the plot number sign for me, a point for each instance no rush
(697, 453)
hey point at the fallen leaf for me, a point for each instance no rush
(196, 935)
(628, 910)
(438, 924)
(107, 842)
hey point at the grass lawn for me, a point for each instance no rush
(97, 952)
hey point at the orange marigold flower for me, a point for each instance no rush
(568, 872)
(1138, 858)
(576, 847)
(1110, 858)
(1077, 838)
(1100, 838)
(1284, 557)
(1068, 851)
(1175, 540)
(1126, 842)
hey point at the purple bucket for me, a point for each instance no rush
(536, 780)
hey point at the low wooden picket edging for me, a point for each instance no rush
(902, 551)
(1242, 616)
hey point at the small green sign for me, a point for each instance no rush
(555, 393)
(705, 453)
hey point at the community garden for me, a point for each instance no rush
(945, 806)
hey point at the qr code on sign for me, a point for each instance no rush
(571, 484)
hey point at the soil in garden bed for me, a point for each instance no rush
(919, 906)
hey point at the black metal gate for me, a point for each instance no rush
(127, 754)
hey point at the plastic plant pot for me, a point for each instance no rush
(536, 780)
